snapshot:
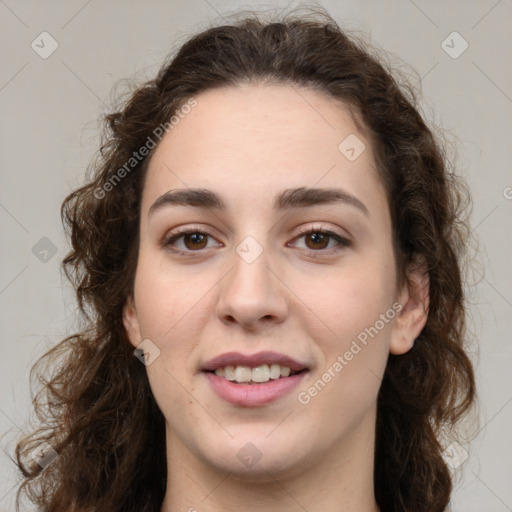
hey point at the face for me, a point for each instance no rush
(271, 273)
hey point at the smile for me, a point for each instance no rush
(258, 374)
(250, 393)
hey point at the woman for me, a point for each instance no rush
(268, 255)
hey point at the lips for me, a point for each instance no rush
(253, 394)
(253, 360)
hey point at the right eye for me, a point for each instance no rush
(192, 240)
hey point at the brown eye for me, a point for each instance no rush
(318, 239)
(323, 241)
(187, 241)
(194, 241)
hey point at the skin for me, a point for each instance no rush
(298, 298)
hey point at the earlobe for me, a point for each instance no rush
(412, 318)
(131, 322)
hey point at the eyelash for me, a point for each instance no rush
(342, 241)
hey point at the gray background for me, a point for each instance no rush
(49, 131)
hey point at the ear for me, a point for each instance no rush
(414, 299)
(131, 322)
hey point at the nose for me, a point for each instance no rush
(252, 295)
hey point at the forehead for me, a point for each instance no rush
(259, 138)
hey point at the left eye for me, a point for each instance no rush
(320, 239)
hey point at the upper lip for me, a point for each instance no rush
(252, 360)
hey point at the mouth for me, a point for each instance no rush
(253, 394)
(243, 374)
(253, 380)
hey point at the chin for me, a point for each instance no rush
(258, 459)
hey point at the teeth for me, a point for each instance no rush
(285, 371)
(229, 372)
(275, 371)
(262, 373)
(243, 374)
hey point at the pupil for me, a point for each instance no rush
(318, 238)
(196, 238)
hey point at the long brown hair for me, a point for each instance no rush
(96, 408)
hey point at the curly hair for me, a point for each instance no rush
(96, 408)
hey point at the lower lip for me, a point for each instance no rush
(253, 395)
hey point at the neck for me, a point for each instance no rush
(340, 480)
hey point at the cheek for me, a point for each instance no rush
(174, 396)
(355, 306)
(172, 311)
(353, 350)
(351, 298)
(172, 304)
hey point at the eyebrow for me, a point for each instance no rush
(290, 198)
